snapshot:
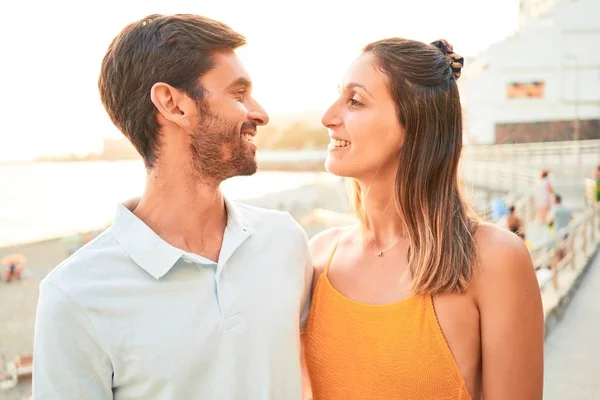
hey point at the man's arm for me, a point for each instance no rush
(307, 264)
(319, 247)
(69, 362)
(304, 311)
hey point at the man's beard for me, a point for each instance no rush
(218, 149)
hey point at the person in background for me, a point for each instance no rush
(559, 215)
(514, 223)
(558, 219)
(499, 209)
(544, 192)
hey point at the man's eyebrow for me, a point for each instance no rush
(240, 82)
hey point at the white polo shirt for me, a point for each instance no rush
(129, 316)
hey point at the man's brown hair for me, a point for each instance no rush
(174, 49)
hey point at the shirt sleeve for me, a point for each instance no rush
(69, 362)
(308, 278)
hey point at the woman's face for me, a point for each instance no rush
(363, 123)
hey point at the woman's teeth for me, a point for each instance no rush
(339, 143)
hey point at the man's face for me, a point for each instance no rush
(222, 143)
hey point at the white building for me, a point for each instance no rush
(533, 9)
(541, 84)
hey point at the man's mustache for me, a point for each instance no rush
(248, 126)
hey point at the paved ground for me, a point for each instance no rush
(572, 351)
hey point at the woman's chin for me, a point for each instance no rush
(336, 167)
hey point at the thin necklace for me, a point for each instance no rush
(380, 251)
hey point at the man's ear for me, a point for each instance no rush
(173, 104)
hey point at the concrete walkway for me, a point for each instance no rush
(572, 350)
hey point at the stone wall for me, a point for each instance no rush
(545, 131)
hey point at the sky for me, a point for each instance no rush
(297, 54)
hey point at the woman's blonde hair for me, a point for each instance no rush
(439, 223)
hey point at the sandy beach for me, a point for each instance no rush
(19, 298)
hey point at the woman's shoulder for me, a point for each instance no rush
(322, 244)
(503, 260)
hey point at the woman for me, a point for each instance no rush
(420, 300)
(545, 190)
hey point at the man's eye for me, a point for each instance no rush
(241, 94)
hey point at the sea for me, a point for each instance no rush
(41, 201)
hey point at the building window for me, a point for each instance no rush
(518, 90)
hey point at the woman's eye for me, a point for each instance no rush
(354, 103)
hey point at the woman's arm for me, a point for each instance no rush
(550, 188)
(511, 318)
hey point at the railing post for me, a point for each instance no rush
(513, 178)
(594, 226)
(484, 170)
(584, 238)
(573, 260)
(560, 159)
(554, 267)
(531, 208)
(543, 156)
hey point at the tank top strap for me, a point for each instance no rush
(335, 246)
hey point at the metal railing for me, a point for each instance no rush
(512, 170)
(509, 167)
(569, 248)
(515, 184)
(529, 153)
(562, 158)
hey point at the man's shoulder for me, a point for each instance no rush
(565, 209)
(83, 266)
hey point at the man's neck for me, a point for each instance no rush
(188, 215)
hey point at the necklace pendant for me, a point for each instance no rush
(379, 253)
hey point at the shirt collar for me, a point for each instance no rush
(150, 251)
(235, 218)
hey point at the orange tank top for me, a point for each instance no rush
(370, 352)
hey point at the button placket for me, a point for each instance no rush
(231, 314)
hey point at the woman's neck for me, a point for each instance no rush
(383, 225)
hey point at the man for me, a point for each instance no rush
(190, 296)
(559, 216)
(558, 220)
